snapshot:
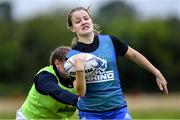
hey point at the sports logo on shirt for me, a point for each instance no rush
(102, 63)
(67, 108)
(101, 74)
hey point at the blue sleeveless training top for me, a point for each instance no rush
(103, 90)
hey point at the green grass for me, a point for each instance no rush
(155, 114)
(138, 114)
(143, 106)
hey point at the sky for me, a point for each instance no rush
(24, 9)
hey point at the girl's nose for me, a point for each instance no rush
(83, 21)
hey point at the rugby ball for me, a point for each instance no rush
(90, 66)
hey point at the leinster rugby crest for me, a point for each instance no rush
(101, 74)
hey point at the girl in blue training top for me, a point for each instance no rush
(104, 98)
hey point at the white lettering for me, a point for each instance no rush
(100, 76)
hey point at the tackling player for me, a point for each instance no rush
(52, 95)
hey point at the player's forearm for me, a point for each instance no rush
(65, 97)
(80, 84)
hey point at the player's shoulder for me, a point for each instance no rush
(112, 37)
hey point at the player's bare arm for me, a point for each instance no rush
(79, 83)
(139, 59)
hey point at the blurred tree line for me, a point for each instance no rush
(25, 46)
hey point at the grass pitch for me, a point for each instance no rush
(142, 106)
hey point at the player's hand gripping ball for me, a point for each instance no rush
(90, 66)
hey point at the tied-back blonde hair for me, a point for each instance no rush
(69, 22)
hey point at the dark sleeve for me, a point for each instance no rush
(120, 47)
(47, 84)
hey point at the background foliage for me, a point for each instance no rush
(25, 46)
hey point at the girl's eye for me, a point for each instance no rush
(86, 18)
(77, 21)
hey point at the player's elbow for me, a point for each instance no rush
(81, 92)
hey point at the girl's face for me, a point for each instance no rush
(81, 23)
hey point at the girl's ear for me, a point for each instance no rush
(71, 28)
(57, 63)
